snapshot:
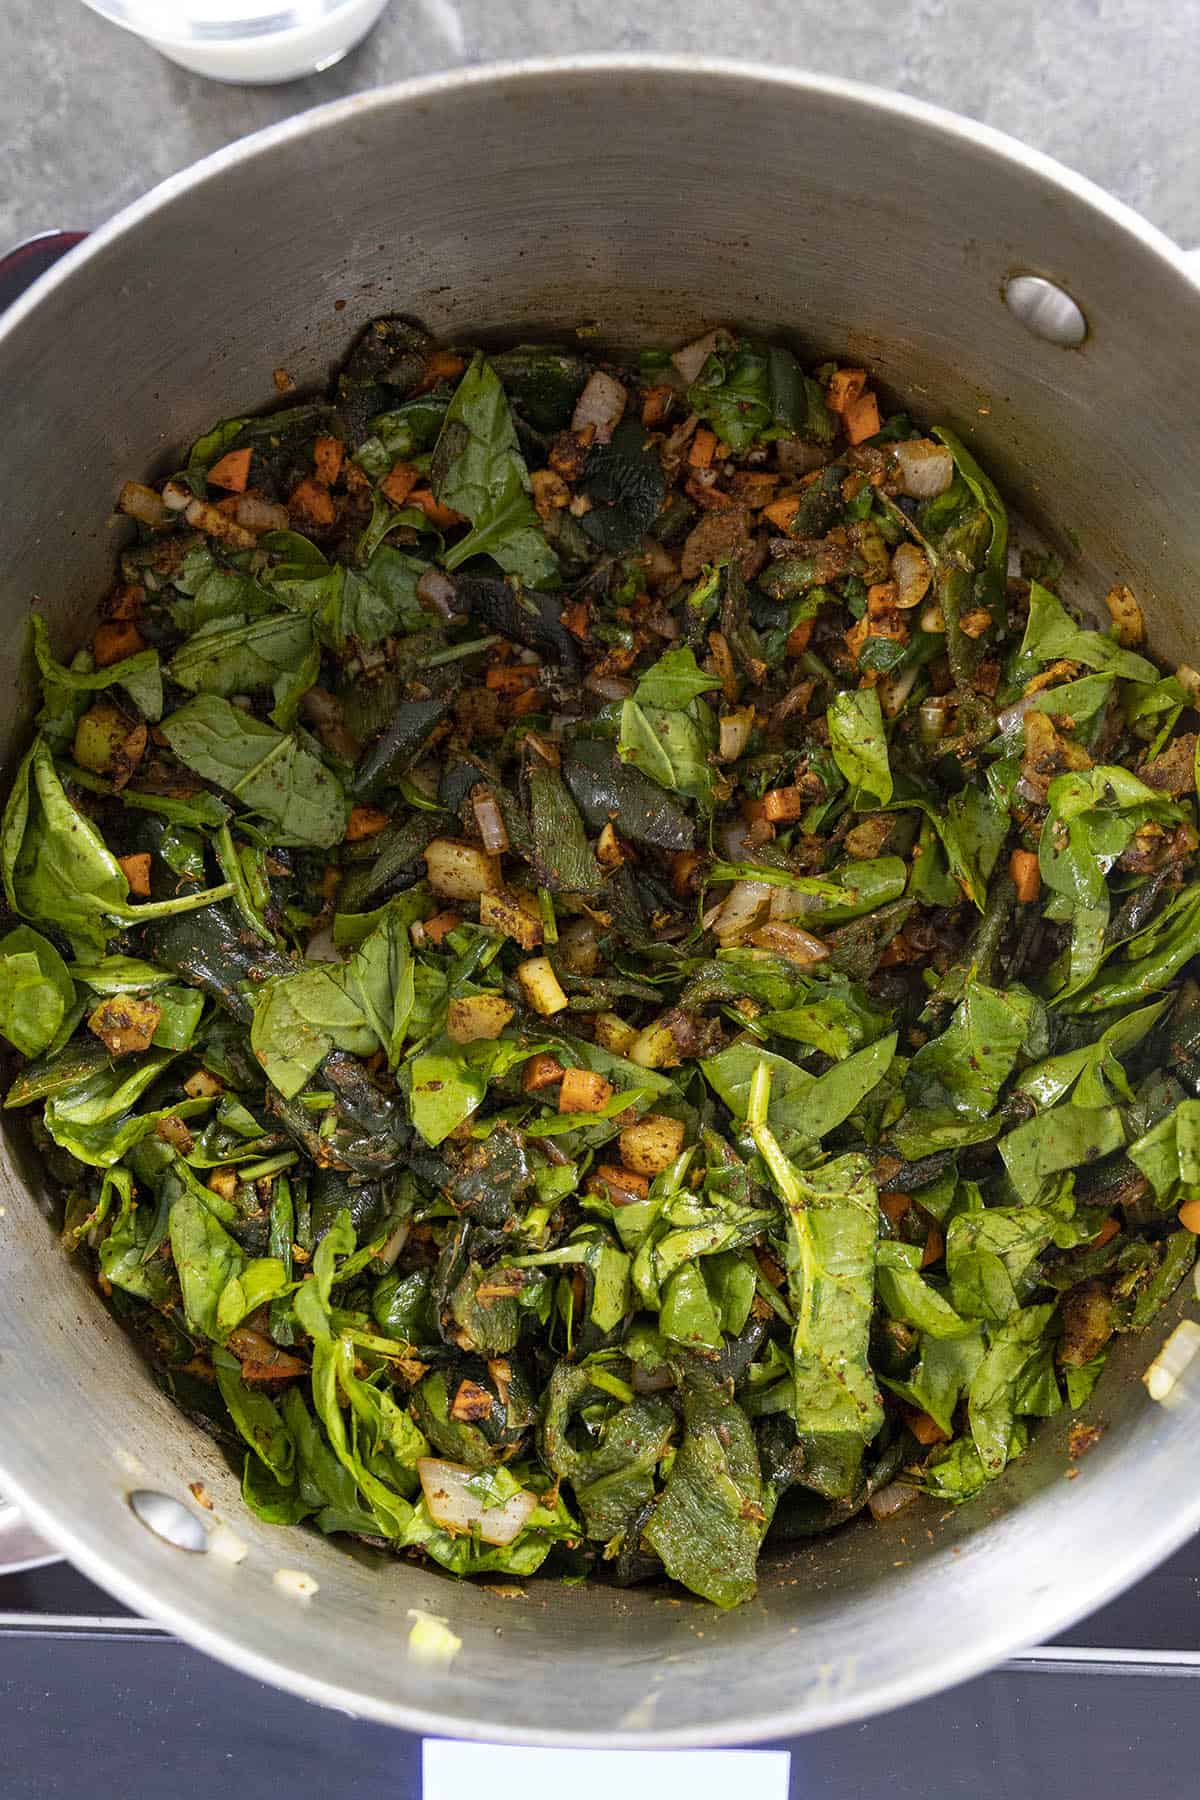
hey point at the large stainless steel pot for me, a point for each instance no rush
(651, 197)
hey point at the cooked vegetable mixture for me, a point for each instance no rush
(604, 980)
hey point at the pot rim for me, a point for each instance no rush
(1050, 1614)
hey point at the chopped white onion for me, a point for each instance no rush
(1012, 715)
(259, 515)
(490, 821)
(925, 468)
(609, 687)
(892, 1499)
(895, 689)
(793, 903)
(394, 1244)
(911, 574)
(177, 497)
(691, 359)
(436, 591)
(735, 733)
(297, 1582)
(601, 404)
(743, 907)
(454, 1507)
(1176, 1354)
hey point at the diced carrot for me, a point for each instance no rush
(327, 455)
(1026, 876)
(136, 870)
(364, 822)
(575, 618)
(114, 641)
(935, 1248)
(437, 514)
(781, 512)
(441, 923)
(702, 448)
(798, 637)
(845, 387)
(312, 500)
(126, 602)
(331, 880)
(1106, 1233)
(1189, 1216)
(893, 1205)
(862, 419)
(440, 365)
(881, 599)
(514, 678)
(524, 703)
(583, 1091)
(622, 1184)
(541, 1071)
(399, 482)
(232, 471)
(656, 404)
(782, 805)
(925, 1429)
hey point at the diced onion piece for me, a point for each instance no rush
(654, 1047)
(608, 687)
(214, 523)
(925, 468)
(490, 820)
(436, 591)
(742, 908)
(735, 733)
(895, 689)
(799, 946)
(691, 359)
(652, 1144)
(911, 574)
(477, 1016)
(541, 986)
(933, 620)
(793, 903)
(259, 515)
(142, 503)
(1189, 680)
(892, 1499)
(1179, 1350)
(176, 496)
(455, 1508)
(1012, 715)
(601, 404)
(460, 871)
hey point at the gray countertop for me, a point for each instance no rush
(90, 117)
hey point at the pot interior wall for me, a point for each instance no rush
(647, 203)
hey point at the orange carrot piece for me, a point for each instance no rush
(514, 678)
(327, 455)
(862, 419)
(114, 641)
(437, 514)
(1189, 1216)
(541, 1071)
(583, 1091)
(798, 637)
(1106, 1233)
(703, 448)
(136, 870)
(925, 1429)
(1026, 876)
(781, 512)
(935, 1248)
(656, 404)
(232, 471)
(364, 822)
(845, 387)
(441, 923)
(313, 501)
(399, 482)
(893, 1205)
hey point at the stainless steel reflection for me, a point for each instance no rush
(651, 198)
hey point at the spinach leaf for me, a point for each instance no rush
(271, 772)
(991, 1401)
(1051, 635)
(479, 471)
(845, 892)
(990, 1252)
(276, 653)
(674, 681)
(966, 1067)
(832, 1226)
(859, 743)
(942, 1376)
(562, 856)
(708, 1522)
(751, 394)
(56, 866)
(625, 482)
(257, 1418)
(811, 1106)
(993, 577)
(128, 1255)
(205, 1258)
(669, 747)
(1068, 1137)
(907, 1296)
(36, 990)
(958, 1472)
(1093, 1072)
(64, 689)
(1168, 1155)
